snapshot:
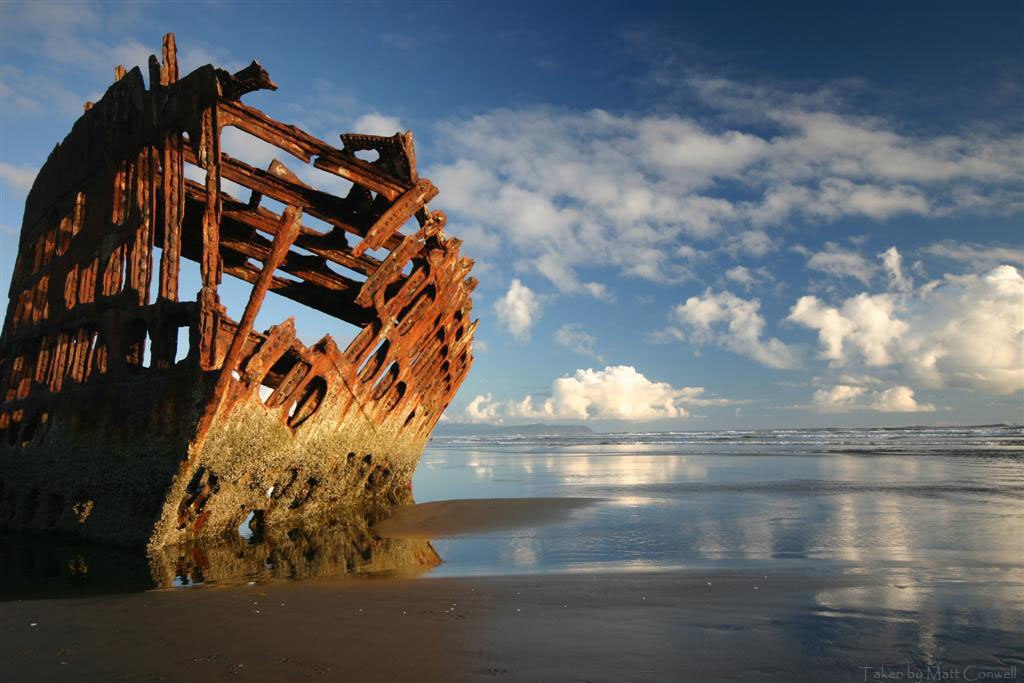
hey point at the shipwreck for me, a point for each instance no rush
(133, 414)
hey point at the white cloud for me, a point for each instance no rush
(252, 150)
(837, 398)
(841, 398)
(731, 322)
(568, 190)
(755, 243)
(518, 310)
(741, 275)
(33, 94)
(573, 336)
(614, 393)
(899, 399)
(91, 37)
(192, 55)
(482, 409)
(683, 145)
(837, 197)
(978, 256)
(968, 331)
(961, 331)
(820, 135)
(19, 178)
(377, 124)
(748, 278)
(892, 261)
(865, 324)
(839, 262)
(479, 240)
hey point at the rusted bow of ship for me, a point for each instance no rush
(133, 414)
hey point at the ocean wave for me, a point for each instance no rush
(977, 441)
(814, 487)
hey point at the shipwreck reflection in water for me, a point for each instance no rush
(39, 567)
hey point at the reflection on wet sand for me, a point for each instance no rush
(343, 545)
(34, 567)
(446, 518)
(368, 541)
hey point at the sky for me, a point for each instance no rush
(683, 215)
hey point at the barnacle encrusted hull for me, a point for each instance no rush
(110, 428)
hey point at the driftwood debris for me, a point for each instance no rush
(109, 429)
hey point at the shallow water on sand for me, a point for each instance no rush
(928, 522)
(939, 503)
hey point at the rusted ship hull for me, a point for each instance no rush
(108, 430)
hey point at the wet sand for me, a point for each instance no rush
(667, 626)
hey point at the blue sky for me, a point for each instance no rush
(713, 216)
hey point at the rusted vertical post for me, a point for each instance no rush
(171, 180)
(140, 265)
(171, 154)
(209, 158)
(139, 252)
(111, 282)
(79, 367)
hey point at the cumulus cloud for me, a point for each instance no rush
(518, 310)
(614, 393)
(969, 331)
(732, 322)
(482, 409)
(573, 336)
(841, 398)
(837, 398)
(961, 331)
(899, 399)
(568, 189)
(865, 324)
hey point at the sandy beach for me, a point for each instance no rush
(666, 626)
(536, 562)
